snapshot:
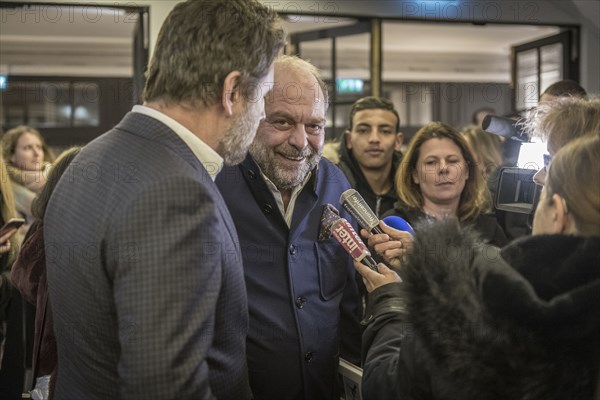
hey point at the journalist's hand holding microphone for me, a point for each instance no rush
(393, 245)
(374, 279)
(390, 243)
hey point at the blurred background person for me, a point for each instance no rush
(370, 153)
(12, 346)
(331, 150)
(485, 323)
(480, 114)
(29, 277)
(28, 159)
(8, 250)
(486, 149)
(439, 178)
(563, 88)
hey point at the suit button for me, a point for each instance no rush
(308, 357)
(267, 209)
(300, 302)
(293, 250)
(252, 175)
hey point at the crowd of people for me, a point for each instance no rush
(211, 272)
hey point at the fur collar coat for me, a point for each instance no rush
(471, 321)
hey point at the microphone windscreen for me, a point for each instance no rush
(398, 223)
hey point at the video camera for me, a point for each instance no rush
(515, 190)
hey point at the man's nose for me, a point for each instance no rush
(298, 137)
(374, 136)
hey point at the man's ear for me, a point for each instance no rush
(232, 92)
(347, 135)
(399, 141)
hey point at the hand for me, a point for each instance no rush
(4, 242)
(373, 279)
(392, 245)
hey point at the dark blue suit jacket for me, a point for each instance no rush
(302, 294)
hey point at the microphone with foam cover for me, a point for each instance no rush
(398, 223)
(354, 203)
(343, 232)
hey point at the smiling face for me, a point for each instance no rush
(290, 139)
(29, 152)
(373, 138)
(441, 171)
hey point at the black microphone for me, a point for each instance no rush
(504, 127)
(343, 232)
(354, 203)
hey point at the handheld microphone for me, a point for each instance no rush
(398, 223)
(504, 127)
(345, 234)
(329, 216)
(354, 203)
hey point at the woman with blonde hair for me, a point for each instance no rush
(486, 148)
(28, 159)
(438, 179)
(8, 251)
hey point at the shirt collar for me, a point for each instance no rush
(287, 213)
(210, 159)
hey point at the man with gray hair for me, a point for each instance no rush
(302, 296)
(144, 264)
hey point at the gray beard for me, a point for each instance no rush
(283, 178)
(237, 140)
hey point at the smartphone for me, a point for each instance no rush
(13, 223)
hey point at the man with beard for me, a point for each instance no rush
(302, 295)
(144, 264)
(370, 152)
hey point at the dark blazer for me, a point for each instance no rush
(144, 273)
(301, 291)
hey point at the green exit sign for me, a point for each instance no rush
(350, 85)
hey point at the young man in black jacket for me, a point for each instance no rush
(370, 152)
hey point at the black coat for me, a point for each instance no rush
(380, 204)
(473, 322)
(485, 225)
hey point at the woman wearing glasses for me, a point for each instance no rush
(470, 321)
